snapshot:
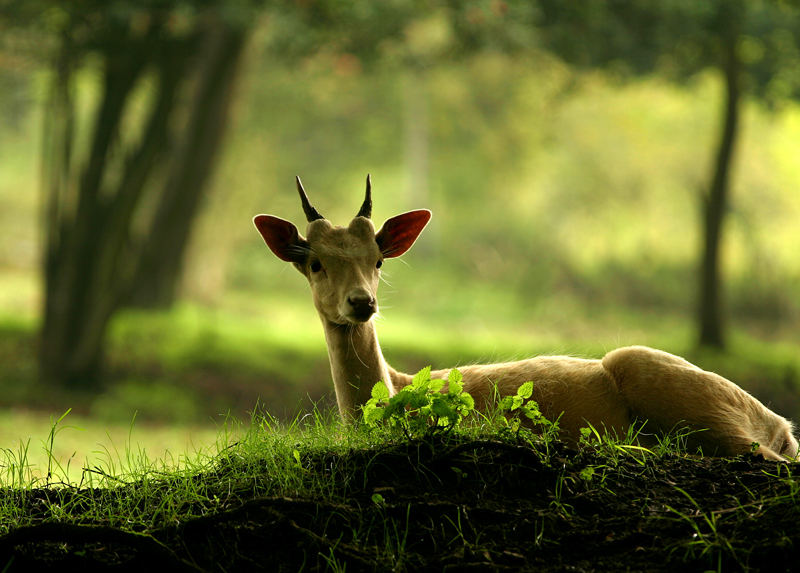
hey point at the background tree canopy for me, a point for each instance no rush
(600, 174)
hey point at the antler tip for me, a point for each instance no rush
(366, 207)
(311, 213)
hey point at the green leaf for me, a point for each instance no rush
(418, 401)
(436, 385)
(422, 376)
(373, 415)
(526, 390)
(380, 392)
(455, 382)
(443, 410)
(506, 403)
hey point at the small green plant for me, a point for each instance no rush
(421, 408)
(588, 473)
(514, 406)
(712, 544)
(676, 441)
(557, 502)
(612, 446)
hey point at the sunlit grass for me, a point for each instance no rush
(19, 295)
(35, 443)
(130, 479)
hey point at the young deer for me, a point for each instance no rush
(342, 265)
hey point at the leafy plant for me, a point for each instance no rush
(422, 408)
(520, 404)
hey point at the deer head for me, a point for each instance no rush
(342, 264)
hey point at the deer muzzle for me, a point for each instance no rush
(361, 305)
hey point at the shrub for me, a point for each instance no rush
(421, 408)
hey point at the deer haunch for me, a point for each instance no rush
(670, 392)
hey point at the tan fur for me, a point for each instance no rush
(579, 391)
(670, 392)
(628, 384)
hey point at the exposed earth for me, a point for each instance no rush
(464, 505)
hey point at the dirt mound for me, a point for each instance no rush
(469, 505)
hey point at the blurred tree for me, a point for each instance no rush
(753, 44)
(119, 201)
(120, 210)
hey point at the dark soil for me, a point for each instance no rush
(466, 506)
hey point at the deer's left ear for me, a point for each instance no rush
(282, 238)
(399, 233)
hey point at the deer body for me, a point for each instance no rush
(342, 265)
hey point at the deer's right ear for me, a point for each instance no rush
(282, 238)
(399, 233)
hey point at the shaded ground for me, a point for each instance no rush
(466, 506)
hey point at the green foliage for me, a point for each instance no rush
(521, 403)
(423, 407)
(678, 38)
(516, 406)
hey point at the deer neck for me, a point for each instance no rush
(357, 363)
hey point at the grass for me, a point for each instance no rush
(239, 458)
(145, 489)
(64, 445)
(314, 459)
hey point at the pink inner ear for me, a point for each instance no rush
(281, 237)
(399, 233)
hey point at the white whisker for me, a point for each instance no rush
(351, 330)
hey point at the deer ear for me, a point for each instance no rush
(282, 238)
(399, 233)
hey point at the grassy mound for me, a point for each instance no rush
(317, 496)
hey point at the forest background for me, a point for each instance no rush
(609, 175)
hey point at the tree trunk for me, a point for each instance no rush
(158, 272)
(710, 308)
(92, 258)
(88, 221)
(75, 309)
(56, 166)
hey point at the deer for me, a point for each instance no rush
(628, 385)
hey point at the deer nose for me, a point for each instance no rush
(363, 304)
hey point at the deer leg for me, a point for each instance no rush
(670, 392)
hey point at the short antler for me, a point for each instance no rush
(311, 213)
(366, 207)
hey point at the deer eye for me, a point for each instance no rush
(379, 264)
(316, 266)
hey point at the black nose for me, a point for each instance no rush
(363, 305)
